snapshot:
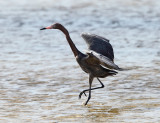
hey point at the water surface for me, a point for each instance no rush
(40, 80)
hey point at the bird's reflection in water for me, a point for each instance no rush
(98, 113)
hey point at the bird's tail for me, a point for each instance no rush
(122, 69)
(112, 72)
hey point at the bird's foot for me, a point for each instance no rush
(83, 92)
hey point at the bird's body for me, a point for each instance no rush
(92, 66)
(98, 62)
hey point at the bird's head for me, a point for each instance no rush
(53, 26)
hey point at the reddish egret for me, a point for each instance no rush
(98, 61)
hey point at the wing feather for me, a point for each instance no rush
(99, 44)
(104, 61)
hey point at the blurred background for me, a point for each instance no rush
(40, 80)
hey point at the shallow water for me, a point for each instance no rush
(40, 80)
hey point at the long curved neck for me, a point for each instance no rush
(71, 44)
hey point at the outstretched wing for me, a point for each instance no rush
(102, 60)
(99, 45)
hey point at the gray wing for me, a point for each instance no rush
(103, 60)
(99, 44)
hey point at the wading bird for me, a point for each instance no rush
(98, 61)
